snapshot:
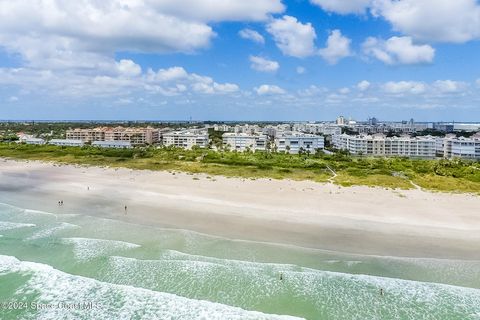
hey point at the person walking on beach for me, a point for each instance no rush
(381, 292)
(125, 209)
(281, 276)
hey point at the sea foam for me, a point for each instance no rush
(112, 301)
(5, 225)
(333, 295)
(87, 248)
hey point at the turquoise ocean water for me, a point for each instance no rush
(75, 266)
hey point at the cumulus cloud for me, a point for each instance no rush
(214, 10)
(128, 68)
(292, 37)
(433, 20)
(252, 35)
(456, 21)
(402, 87)
(263, 65)
(449, 86)
(398, 50)
(338, 47)
(343, 7)
(363, 85)
(267, 89)
(86, 34)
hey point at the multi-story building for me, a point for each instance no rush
(294, 142)
(242, 141)
(466, 148)
(86, 135)
(136, 136)
(185, 139)
(380, 145)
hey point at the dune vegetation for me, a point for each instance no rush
(340, 168)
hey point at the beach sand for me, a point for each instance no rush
(376, 221)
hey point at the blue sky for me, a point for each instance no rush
(240, 59)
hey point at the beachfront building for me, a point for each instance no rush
(136, 136)
(67, 142)
(37, 141)
(465, 148)
(243, 141)
(294, 142)
(380, 145)
(185, 139)
(87, 135)
(112, 144)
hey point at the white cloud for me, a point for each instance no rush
(433, 20)
(69, 84)
(170, 74)
(363, 85)
(343, 6)
(13, 99)
(292, 37)
(300, 70)
(338, 47)
(344, 91)
(266, 89)
(449, 86)
(398, 50)
(214, 10)
(128, 68)
(402, 87)
(478, 82)
(263, 65)
(86, 34)
(252, 35)
(456, 21)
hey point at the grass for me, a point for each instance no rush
(436, 175)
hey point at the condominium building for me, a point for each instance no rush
(186, 139)
(380, 145)
(136, 136)
(87, 135)
(242, 141)
(67, 142)
(466, 148)
(294, 142)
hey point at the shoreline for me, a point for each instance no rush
(357, 220)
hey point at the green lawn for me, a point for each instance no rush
(437, 175)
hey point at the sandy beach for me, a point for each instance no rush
(364, 220)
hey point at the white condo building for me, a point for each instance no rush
(293, 142)
(380, 145)
(466, 148)
(185, 139)
(243, 141)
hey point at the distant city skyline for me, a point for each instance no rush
(250, 60)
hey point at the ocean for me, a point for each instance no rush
(77, 266)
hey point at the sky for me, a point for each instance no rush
(278, 60)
